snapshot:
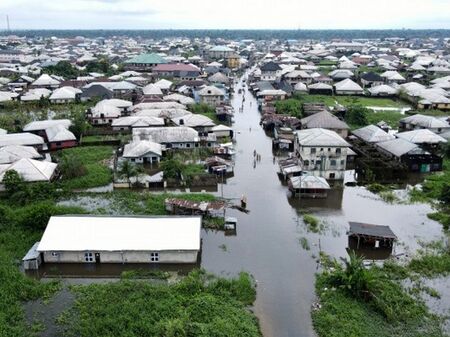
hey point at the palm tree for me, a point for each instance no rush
(128, 170)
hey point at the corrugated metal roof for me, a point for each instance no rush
(371, 230)
(97, 233)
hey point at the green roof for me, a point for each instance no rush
(147, 58)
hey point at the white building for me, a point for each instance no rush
(142, 152)
(98, 239)
(323, 153)
(211, 95)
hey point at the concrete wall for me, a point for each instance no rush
(122, 257)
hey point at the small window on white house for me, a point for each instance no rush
(55, 254)
(88, 257)
(338, 150)
(154, 257)
(313, 150)
(332, 162)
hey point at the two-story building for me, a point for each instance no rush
(270, 72)
(322, 153)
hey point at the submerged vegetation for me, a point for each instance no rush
(436, 190)
(360, 301)
(199, 305)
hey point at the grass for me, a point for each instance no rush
(205, 110)
(199, 305)
(20, 228)
(93, 159)
(312, 222)
(388, 196)
(351, 100)
(392, 118)
(14, 115)
(304, 243)
(431, 191)
(381, 307)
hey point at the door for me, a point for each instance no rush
(97, 257)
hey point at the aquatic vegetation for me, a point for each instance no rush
(312, 222)
(304, 243)
(199, 305)
(356, 301)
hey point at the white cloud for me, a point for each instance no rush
(282, 14)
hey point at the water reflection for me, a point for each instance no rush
(106, 270)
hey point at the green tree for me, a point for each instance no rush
(128, 170)
(79, 124)
(44, 102)
(172, 168)
(357, 115)
(13, 182)
(444, 196)
(64, 69)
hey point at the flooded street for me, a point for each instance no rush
(267, 243)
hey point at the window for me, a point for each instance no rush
(321, 149)
(154, 257)
(329, 149)
(332, 162)
(188, 145)
(342, 162)
(332, 175)
(338, 150)
(88, 257)
(313, 150)
(58, 143)
(55, 254)
(306, 163)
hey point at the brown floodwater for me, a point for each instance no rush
(267, 239)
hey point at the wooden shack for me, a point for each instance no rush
(371, 241)
(187, 207)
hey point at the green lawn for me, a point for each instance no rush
(94, 159)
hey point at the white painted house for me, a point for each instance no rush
(322, 152)
(106, 239)
(142, 152)
(211, 95)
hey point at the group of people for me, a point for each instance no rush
(256, 158)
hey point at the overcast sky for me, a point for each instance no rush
(230, 14)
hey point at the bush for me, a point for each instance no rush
(290, 106)
(199, 305)
(356, 115)
(376, 188)
(37, 215)
(71, 166)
